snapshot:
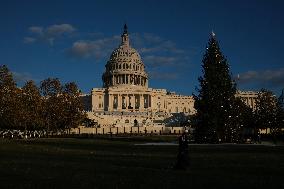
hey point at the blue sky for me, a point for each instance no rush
(72, 40)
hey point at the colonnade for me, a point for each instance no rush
(129, 102)
(130, 79)
(250, 101)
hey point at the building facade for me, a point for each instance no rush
(125, 98)
(248, 97)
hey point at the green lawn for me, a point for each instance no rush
(118, 163)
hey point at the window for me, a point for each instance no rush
(126, 121)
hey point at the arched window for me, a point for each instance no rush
(126, 121)
(123, 66)
(126, 66)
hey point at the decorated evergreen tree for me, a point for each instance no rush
(216, 105)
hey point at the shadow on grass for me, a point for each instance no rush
(117, 163)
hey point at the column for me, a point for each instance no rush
(132, 79)
(141, 100)
(133, 101)
(129, 101)
(110, 102)
(136, 101)
(123, 101)
(149, 103)
(119, 102)
(145, 102)
(137, 80)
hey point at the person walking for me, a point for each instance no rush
(182, 157)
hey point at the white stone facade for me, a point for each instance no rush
(126, 100)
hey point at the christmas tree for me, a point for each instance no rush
(216, 105)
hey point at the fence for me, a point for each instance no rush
(123, 130)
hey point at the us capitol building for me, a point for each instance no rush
(126, 100)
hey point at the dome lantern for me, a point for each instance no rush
(124, 37)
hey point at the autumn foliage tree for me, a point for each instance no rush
(8, 98)
(268, 113)
(63, 108)
(32, 106)
(73, 106)
(52, 107)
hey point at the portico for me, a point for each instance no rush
(129, 101)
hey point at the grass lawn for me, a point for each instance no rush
(118, 163)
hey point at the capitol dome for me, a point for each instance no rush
(125, 67)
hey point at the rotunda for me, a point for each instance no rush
(125, 67)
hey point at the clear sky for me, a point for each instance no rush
(72, 40)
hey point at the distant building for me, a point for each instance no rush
(248, 97)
